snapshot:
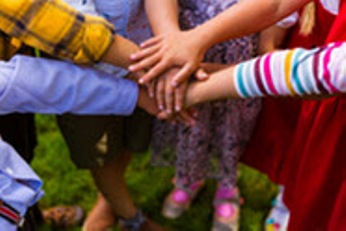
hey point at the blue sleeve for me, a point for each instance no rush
(54, 87)
(20, 187)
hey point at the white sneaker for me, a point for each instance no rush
(279, 215)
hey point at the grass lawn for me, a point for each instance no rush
(64, 184)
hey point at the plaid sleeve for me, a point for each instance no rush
(55, 28)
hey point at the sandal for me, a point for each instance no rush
(179, 199)
(139, 223)
(226, 209)
(64, 216)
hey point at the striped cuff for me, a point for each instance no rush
(10, 214)
(294, 72)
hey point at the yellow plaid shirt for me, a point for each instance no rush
(55, 28)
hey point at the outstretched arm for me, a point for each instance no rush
(297, 72)
(163, 17)
(186, 49)
(59, 30)
(57, 87)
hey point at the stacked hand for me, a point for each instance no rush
(174, 49)
(170, 59)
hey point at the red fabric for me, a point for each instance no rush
(308, 156)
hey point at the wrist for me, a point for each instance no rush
(118, 53)
(203, 38)
(172, 28)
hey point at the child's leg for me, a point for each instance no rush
(101, 216)
(192, 164)
(95, 143)
(98, 143)
(111, 182)
(238, 117)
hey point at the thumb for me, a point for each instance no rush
(201, 74)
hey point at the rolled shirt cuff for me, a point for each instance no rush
(54, 87)
(97, 37)
(20, 187)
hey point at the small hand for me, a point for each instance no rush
(171, 99)
(147, 103)
(174, 49)
(186, 117)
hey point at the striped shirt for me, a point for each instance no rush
(55, 28)
(296, 72)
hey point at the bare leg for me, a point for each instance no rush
(101, 217)
(110, 181)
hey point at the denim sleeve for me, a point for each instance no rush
(54, 87)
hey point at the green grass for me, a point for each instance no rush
(64, 184)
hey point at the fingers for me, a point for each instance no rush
(183, 117)
(184, 73)
(186, 118)
(169, 98)
(179, 97)
(160, 93)
(155, 71)
(201, 74)
(151, 42)
(139, 55)
(151, 89)
(145, 63)
(163, 115)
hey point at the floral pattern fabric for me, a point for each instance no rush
(213, 146)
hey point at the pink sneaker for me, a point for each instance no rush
(179, 199)
(226, 209)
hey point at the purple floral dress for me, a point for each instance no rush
(213, 146)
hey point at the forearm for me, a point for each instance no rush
(57, 29)
(55, 87)
(297, 72)
(271, 39)
(163, 15)
(119, 52)
(220, 85)
(232, 23)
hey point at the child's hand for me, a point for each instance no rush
(186, 117)
(135, 76)
(219, 85)
(170, 99)
(147, 103)
(175, 49)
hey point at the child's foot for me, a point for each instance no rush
(101, 217)
(278, 217)
(226, 209)
(179, 200)
(63, 216)
(140, 223)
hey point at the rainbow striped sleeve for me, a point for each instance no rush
(296, 72)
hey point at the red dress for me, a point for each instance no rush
(302, 146)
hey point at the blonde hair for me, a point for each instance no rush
(307, 19)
